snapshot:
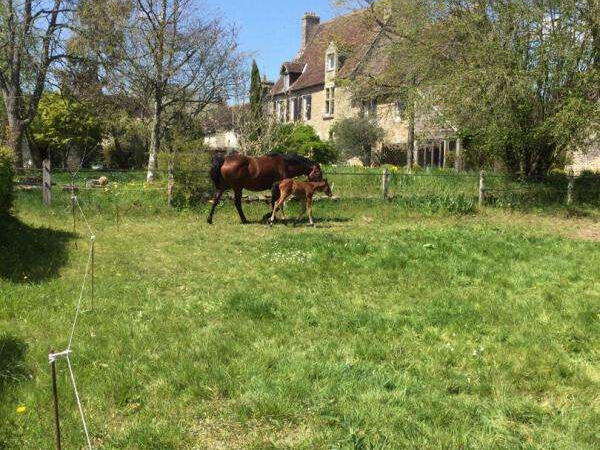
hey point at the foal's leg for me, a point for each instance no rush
(302, 211)
(216, 200)
(309, 200)
(277, 205)
(238, 204)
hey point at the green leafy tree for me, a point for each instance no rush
(66, 129)
(355, 137)
(256, 90)
(519, 78)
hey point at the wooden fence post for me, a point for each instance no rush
(170, 184)
(46, 182)
(481, 188)
(570, 189)
(385, 184)
(446, 148)
(458, 163)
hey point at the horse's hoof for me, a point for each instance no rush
(209, 221)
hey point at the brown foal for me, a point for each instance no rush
(302, 190)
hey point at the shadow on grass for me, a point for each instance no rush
(12, 361)
(31, 254)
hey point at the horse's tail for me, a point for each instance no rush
(215, 171)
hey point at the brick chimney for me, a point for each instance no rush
(310, 22)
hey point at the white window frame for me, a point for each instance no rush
(330, 61)
(399, 109)
(306, 107)
(330, 101)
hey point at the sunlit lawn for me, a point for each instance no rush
(381, 328)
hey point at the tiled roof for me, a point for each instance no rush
(293, 67)
(353, 35)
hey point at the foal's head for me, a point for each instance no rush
(326, 189)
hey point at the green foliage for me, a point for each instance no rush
(6, 179)
(64, 125)
(185, 135)
(193, 185)
(355, 137)
(303, 140)
(256, 92)
(520, 77)
(127, 143)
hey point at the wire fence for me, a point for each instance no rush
(391, 183)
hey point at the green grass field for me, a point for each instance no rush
(384, 327)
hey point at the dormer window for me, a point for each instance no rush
(286, 81)
(330, 61)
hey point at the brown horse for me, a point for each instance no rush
(240, 172)
(303, 191)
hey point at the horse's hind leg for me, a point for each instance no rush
(238, 205)
(216, 200)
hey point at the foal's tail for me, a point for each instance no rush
(215, 171)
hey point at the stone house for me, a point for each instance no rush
(311, 87)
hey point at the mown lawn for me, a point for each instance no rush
(381, 328)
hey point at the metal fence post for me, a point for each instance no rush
(46, 182)
(481, 188)
(55, 397)
(385, 184)
(570, 189)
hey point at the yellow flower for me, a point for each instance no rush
(21, 409)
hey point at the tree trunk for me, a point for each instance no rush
(15, 139)
(154, 140)
(411, 136)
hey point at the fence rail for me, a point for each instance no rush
(352, 183)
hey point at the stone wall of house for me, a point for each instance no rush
(395, 127)
(222, 139)
(589, 160)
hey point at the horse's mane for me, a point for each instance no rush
(294, 158)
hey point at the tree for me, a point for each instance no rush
(356, 137)
(30, 42)
(67, 129)
(256, 90)
(519, 77)
(167, 54)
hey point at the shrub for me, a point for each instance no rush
(356, 137)
(6, 179)
(322, 152)
(191, 176)
(303, 140)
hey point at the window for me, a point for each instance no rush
(370, 109)
(329, 101)
(331, 61)
(400, 109)
(306, 107)
(286, 82)
(287, 111)
(296, 109)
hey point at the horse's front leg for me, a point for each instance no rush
(238, 205)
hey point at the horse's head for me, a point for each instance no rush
(316, 174)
